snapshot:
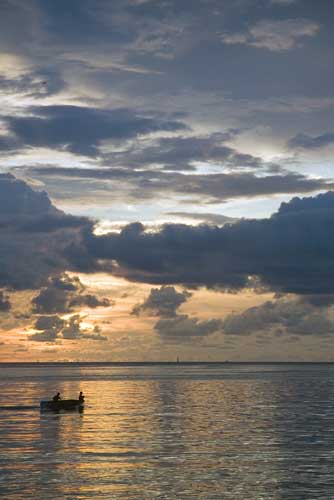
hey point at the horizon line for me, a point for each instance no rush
(138, 363)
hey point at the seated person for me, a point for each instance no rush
(81, 397)
(56, 397)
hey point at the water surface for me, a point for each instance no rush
(230, 431)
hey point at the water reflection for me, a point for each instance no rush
(303, 425)
(169, 433)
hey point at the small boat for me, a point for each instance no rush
(62, 404)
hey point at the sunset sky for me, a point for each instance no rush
(166, 180)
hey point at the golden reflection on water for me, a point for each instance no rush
(164, 432)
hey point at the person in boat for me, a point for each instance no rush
(81, 398)
(56, 397)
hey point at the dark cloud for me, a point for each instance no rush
(210, 64)
(301, 206)
(286, 315)
(49, 328)
(53, 328)
(56, 296)
(320, 300)
(80, 130)
(305, 141)
(208, 188)
(34, 236)
(290, 252)
(181, 153)
(95, 335)
(89, 300)
(72, 330)
(176, 45)
(19, 200)
(183, 328)
(62, 294)
(8, 143)
(225, 186)
(163, 301)
(37, 84)
(171, 326)
(5, 304)
(49, 223)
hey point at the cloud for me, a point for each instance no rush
(274, 35)
(62, 294)
(81, 130)
(163, 301)
(209, 218)
(320, 205)
(95, 335)
(181, 153)
(305, 141)
(19, 200)
(49, 328)
(5, 304)
(57, 295)
(283, 2)
(171, 326)
(183, 328)
(288, 315)
(290, 252)
(89, 300)
(7, 143)
(72, 330)
(206, 188)
(53, 328)
(34, 235)
(33, 84)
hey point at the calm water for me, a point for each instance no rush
(169, 432)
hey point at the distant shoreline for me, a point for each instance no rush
(158, 363)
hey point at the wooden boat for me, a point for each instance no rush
(62, 404)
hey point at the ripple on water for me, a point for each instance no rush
(229, 432)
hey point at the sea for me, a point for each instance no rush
(168, 431)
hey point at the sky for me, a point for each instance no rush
(166, 185)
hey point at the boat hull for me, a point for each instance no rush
(63, 404)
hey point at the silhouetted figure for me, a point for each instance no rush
(56, 397)
(81, 398)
